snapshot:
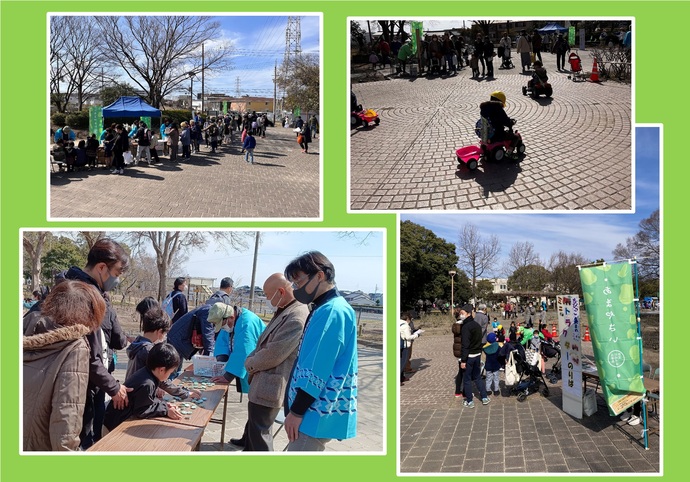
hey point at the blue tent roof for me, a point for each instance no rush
(130, 107)
(552, 28)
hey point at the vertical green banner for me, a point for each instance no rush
(146, 120)
(417, 34)
(96, 120)
(225, 107)
(571, 35)
(609, 299)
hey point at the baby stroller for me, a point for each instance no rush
(527, 364)
(552, 349)
(507, 62)
(576, 67)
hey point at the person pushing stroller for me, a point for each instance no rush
(493, 111)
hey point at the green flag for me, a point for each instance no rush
(96, 120)
(609, 299)
(146, 120)
(416, 27)
(571, 35)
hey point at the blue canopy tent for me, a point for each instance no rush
(130, 107)
(552, 28)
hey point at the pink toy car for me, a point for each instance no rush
(495, 151)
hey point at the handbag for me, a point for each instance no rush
(511, 374)
(129, 159)
(300, 139)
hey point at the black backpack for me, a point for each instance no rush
(143, 137)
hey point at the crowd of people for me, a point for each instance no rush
(212, 132)
(302, 361)
(446, 54)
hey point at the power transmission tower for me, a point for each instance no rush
(237, 86)
(293, 47)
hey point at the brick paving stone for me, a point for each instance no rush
(535, 436)
(579, 141)
(283, 183)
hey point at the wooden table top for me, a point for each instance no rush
(150, 435)
(201, 415)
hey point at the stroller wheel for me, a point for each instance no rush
(522, 396)
(377, 121)
(553, 379)
(545, 392)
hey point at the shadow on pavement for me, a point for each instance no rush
(494, 176)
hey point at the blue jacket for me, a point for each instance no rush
(58, 135)
(326, 369)
(180, 334)
(249, 142)
(239, 344)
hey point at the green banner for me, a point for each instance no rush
(610, 302)
(146, 120)
(417, 29)
(225, 107)
(571, 35)
(96, 120)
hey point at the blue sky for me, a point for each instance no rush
(258, 42)
(592, 235)
(357, 267)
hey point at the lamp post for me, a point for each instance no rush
(452, 274)
(191, 92)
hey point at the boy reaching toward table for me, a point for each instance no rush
(162, 361)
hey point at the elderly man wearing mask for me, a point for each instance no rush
(238, 331)
(270, 363)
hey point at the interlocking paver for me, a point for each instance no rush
(578, 143)
(506, 436)
(283, 183)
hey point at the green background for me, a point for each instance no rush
(660, 97)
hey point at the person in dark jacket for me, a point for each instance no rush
(479, 53)
(457, 351)
(179, 300)
(470, 357)
(180, 334)
(163, 359)
(488, 54)
(248, 147)
(223, 294)
(105, 262)
(120, 146)
(494, 112)
(306, 138)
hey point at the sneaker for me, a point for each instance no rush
(458, 395)
(122, 171)
(634, 420)
(496, 393)
(467, 404)
(485, 401)
(238, 442)
(113, 171)
(626, 416)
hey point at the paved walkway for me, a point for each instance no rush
(438, 435)
(370, 421)
(284, 183)
(578, 145)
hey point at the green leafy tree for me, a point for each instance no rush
(113, 92)
(529, 278)
(484, 289)
(63, 254)
(425, 260)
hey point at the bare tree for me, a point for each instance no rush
(644, 246)
(34, 244)
(158, 53)
(477, 254)
(169, 246)
(75, 53)
(522, 254)
(90, 237)
(302, 83)
(565, 277)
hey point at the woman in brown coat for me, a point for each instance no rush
(56, 366)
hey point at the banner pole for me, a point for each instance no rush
(645, 431)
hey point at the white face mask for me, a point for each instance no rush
(277, 305)
(462, 317)
(227, 328)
